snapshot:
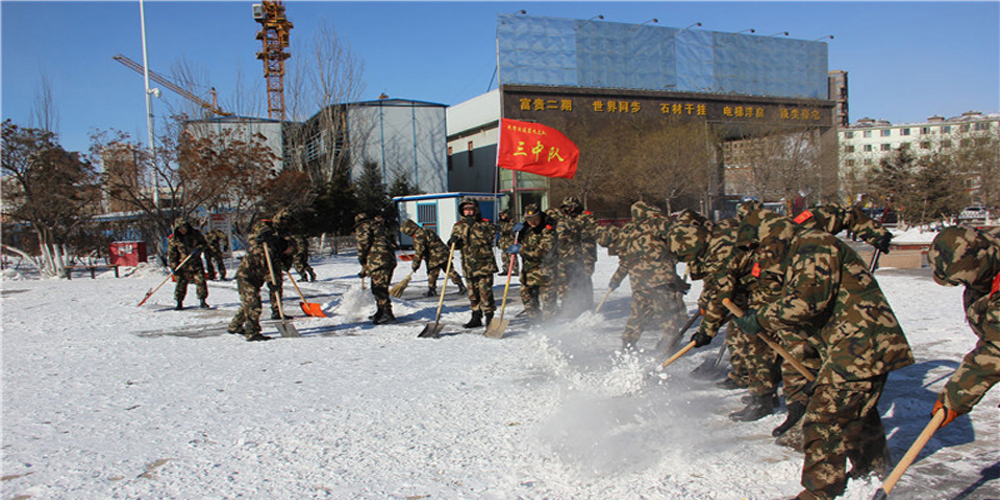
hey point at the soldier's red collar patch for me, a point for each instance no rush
(755, 272)
(804, 216)
(548, 226)
(996, 285)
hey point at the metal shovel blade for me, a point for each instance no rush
(287, 329)
(496, 328)
(431, 331)
(312, 309)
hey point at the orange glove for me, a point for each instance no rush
(949, 414)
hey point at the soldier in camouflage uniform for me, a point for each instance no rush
(301, 259)
(834, 218)
(581, 282)
(271, 229)
(829, 293)
(537, 250)
(971, 258)
(504, 241)
(657, 291)
(377, 255)
(251, 275)
(185, 241)
(473, 236)
(427, 246)
(213, 254)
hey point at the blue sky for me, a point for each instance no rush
(906, 60)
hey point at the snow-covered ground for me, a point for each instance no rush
(106, 400)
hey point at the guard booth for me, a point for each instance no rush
(439, 212)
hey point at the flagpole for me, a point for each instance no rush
(496, 164)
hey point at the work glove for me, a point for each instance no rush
(701, 339)
(883, 243)
(514, 249)
(518, 227)
(454, 241)
(949, 414)
(748, 323)
(196, 252)
(416, 265)
(362, 274)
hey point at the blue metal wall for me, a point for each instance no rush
(570, 52)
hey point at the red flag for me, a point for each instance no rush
(537, 149)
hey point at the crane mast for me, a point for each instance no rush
(274, 32)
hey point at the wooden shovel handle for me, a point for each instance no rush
(735, 309)
(911, 454)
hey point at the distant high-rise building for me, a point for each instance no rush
(838, 92)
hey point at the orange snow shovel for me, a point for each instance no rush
(285, 327)
(433, 330)
(310, 308)
(787, 356)
(164, 282)
(911, 455)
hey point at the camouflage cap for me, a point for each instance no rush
(956, 255)
(361, 217)
(571, 205)
(504, 214)
(467, 202)
(642, 210)
(409, 227)
(606, 235)
(532, 210)
(750, 214)
(181, 222)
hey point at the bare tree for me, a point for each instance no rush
(44, 114)
(977, 157)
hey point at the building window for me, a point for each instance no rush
(868, 163)
(848, 149)
(886, 147)
(904, 131)
(867, 133)
(850, 163)
(449, 158)
(848, 135)
(925, 130)
(470, 154)
(868, 148)
(887, 132)
(946, 129)
(982, 126)
(904, 145)
(925, 145)
(964, 128)
(945, 144)
(965, 143)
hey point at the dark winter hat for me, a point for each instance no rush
(956, 255)
(467, 202)
(532, 210)
(687, 237)
(504, 214)
(571, 205)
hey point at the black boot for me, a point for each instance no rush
(431, 292)
(759, 407)
(204, 305)
(795, 412)
(477, 320)
(377, 316)
(462, 290)
(728, 384)
(383, 316)
(489, 318)
(257, 337)
(179, 306)
(275, 315)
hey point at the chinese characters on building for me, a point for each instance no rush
(696, 109)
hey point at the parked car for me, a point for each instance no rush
(973, 214)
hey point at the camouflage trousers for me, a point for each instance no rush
(481, 293)
(979, 371)
(539, 301)
(574, 288)
(380, 286)
(213, 259)
(841, 422)
(661, 304)
(432, 277)
(276, 294)
(742, 352)
(794, 382)
(305, 271)
(186, 276)
(247, 318)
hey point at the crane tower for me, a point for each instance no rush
(274, 36)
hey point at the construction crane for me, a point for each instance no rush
(138, 68)
(274, 36)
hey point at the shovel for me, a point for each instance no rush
(152, 291)
(799, 367)
(605, 299)
(911, 455)
(497, 326)
(686, 348)
(310, 308)
(397, 290)
(285, 327)
(433, 330)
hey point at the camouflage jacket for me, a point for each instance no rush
(643, 250)
(538, 256)
(253, 268)
(835, 218)
(588, 239)
(301, 249)
(215, 238)
(506, 237)
(181, 245)
(265, 232)
(475, 241)
(569, 239)
(828, 291)
(376, 247)
(427, 246)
